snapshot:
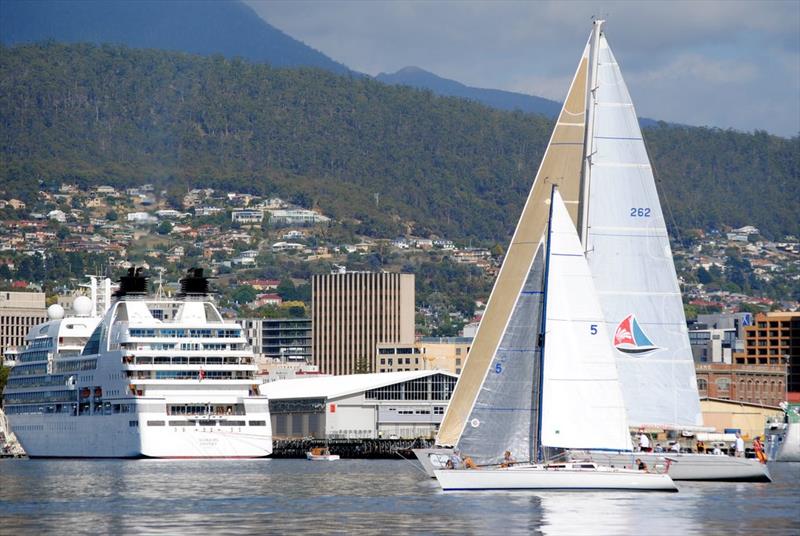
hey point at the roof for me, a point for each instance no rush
(336, 386)
(739, 403)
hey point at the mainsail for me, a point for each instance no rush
(561, 165)
(504, 416)
(582, 404)
(629, 254)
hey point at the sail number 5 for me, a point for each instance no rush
(593, 329)
(640, 212)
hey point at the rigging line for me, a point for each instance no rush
(415, 465)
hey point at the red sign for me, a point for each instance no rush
(333, 408)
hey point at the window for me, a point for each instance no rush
(702, 384)
(723, 384)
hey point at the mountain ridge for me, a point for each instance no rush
(497, 98)
(232, 29)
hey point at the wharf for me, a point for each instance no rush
(350, 448)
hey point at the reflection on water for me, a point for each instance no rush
(234, 497)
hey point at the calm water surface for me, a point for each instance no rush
(360, 496)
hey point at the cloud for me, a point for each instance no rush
(669, 51)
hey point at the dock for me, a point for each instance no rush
(350, 448)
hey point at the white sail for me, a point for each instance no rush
(582, 404)
(628, 250)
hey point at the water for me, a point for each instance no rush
(369, 496)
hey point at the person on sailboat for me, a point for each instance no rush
(508, 459)
(739, 446)
(641, 464)
(676, 447)
(644, 441)
(758, 447)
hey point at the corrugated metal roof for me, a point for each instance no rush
(336, 386)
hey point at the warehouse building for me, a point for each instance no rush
(360, 406)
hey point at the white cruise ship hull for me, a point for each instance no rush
(538, 477)
(688, 466)
(113, 436)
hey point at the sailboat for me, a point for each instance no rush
(598, 158)
(573, 386)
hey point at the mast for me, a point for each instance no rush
(588, 143)
(542, 332)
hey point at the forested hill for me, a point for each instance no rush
(91, 115)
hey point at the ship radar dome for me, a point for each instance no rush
(82, 306)
(55, 312)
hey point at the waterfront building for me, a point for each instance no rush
(428, 353)
(19, 312)
(712, 345)
(360, 406)
(737, 415)
(763, 385)
(352, 312)
(774, 339)
(285, 339)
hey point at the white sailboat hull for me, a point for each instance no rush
(789, 450)
(433, 459)
(688, 466)
(540, 477)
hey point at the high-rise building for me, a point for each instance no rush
(19, 312)
(774, 339)
(352, 312)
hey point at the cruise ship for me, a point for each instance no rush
(156, 378)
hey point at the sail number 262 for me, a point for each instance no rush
(640, 212)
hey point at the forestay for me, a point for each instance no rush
(582, 404)
(630, 258)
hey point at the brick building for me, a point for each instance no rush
(774, 339)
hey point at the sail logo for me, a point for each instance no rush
(629, 338)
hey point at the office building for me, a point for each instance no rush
(428, 353)
(19, 312)
(774, 339)
(352, 312)
(286, 339)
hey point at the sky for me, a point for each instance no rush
(728, 64)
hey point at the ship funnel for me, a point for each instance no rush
(194, 284)
(135, 283)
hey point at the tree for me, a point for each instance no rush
(164, 228)
(4, 372)
(244, 294)
(703, 276)
(112, 215)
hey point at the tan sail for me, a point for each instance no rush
(561, 165)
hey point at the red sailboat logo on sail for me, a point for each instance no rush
(629, 337)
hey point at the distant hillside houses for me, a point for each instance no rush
(296, 216)
(247, 216)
